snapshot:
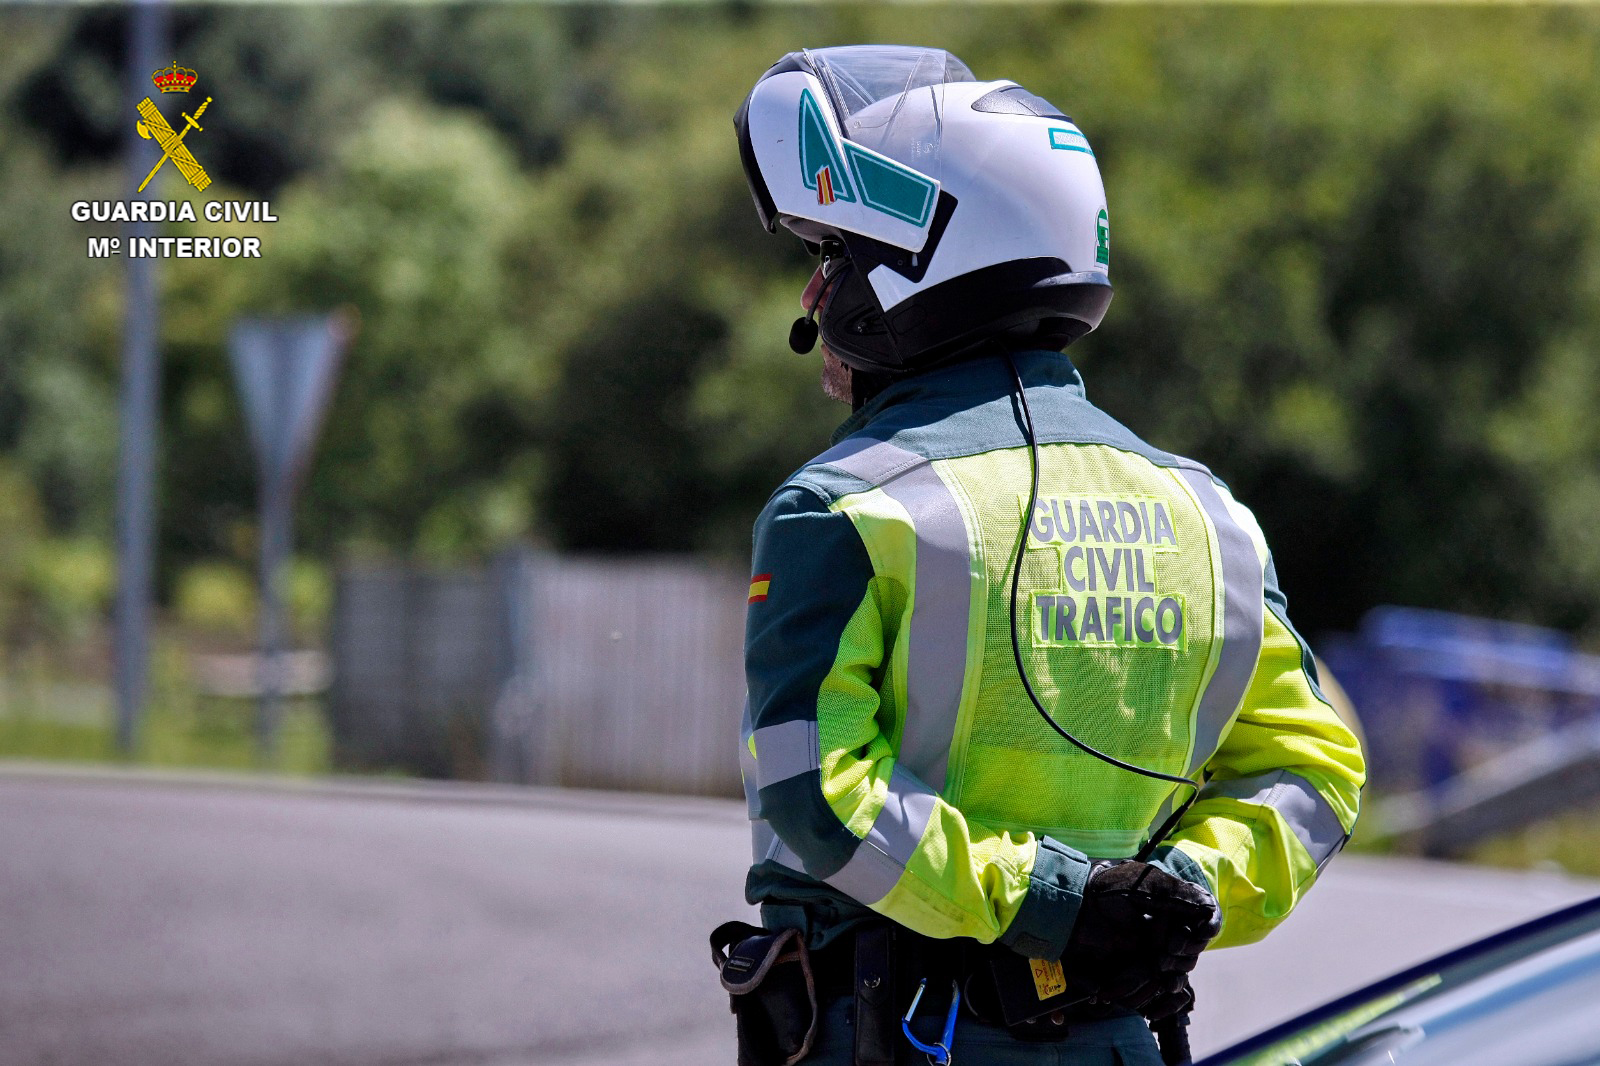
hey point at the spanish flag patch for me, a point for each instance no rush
(825, 195)
(758, 587)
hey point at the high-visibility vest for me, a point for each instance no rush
(892, 760)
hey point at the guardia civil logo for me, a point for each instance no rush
(171, 131)
(153, 126)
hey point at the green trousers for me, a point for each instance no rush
(1112, 1042)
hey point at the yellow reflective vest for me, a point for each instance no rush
(893, 763)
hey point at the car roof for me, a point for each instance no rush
(1467, 972)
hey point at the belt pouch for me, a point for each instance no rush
(1030, 988)
(877, 1021)
(771, 991)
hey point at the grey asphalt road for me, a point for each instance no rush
(190, 920)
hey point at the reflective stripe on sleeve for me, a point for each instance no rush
(747, 766)
(762, 838)
(882, 855)
(1307, 813)
(785, 750)
(766, 847)
(936, 658)
(1242, 619)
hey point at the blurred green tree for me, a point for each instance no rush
(1355, 276)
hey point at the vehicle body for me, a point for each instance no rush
(1528, 996)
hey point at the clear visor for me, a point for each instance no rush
(890, 98)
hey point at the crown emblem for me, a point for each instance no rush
(175, 79)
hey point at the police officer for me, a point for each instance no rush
(1028, 726)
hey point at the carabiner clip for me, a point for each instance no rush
(938, 1054)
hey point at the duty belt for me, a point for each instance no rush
(883, 964)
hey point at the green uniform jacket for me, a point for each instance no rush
(892, 761)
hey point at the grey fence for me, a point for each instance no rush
(419, 658)
(545, 670)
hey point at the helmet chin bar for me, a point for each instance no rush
(1036, 303)
(853, 326)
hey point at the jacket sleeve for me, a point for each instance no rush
(816, 654)
(1283, 792)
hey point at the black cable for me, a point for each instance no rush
(1172, 1037)
(1165, 828)
(1016, 578)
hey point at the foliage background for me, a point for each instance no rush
(1355, 254)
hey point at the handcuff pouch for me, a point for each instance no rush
(772, 991)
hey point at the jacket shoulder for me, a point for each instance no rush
(857, 463)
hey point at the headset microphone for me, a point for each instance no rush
(803, 334)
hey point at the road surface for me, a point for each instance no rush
(147, 920)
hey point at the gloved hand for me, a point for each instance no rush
(1138, 935)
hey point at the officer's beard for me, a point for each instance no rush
(847, 384)
(837, 379)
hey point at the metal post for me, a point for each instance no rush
(136, 473)
(277, 518)
(512, 578)
(277, 536)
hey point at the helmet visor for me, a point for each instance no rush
(890, 98)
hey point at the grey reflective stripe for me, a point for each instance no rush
(747, 766)
(766, 847)
(1306, 811)
(881, 857)
(873, 461)
(784, 751)
(1242, 593)
(762, 839)
(936, 658)
(936, 661)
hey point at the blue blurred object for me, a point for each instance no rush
(1439, 693)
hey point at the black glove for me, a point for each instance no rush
(1138, 935)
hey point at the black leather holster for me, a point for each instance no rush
(772, 992)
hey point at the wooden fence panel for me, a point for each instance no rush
(637, 677)
(599, 673)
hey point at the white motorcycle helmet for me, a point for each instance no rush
(949, 211)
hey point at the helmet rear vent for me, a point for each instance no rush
(1015, 100)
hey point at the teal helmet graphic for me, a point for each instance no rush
(886, 186)
(954, 211)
